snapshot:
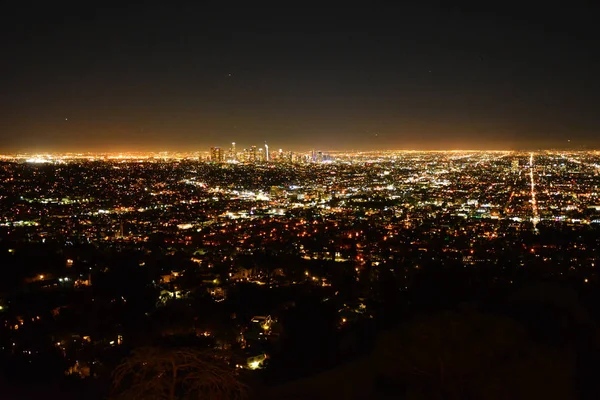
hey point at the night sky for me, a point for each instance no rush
(157, 76)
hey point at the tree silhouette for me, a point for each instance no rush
(152, 373)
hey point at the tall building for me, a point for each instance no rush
(232, 152)
(253, 154)
(266, 152)
(216, 154)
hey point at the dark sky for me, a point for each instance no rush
(159, 76)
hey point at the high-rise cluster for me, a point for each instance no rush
(254, 154)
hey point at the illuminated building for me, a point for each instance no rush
(232, 152)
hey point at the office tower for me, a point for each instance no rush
(253, 154)
(266, 152)
(232, 152)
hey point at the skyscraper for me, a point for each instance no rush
(266, 152)
(232, 152)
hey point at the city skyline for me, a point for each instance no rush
(226, 153)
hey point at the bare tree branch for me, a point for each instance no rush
(172, 374)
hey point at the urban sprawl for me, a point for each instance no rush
(104, 251)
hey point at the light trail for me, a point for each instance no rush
(535, 218)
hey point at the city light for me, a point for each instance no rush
(213, 237)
